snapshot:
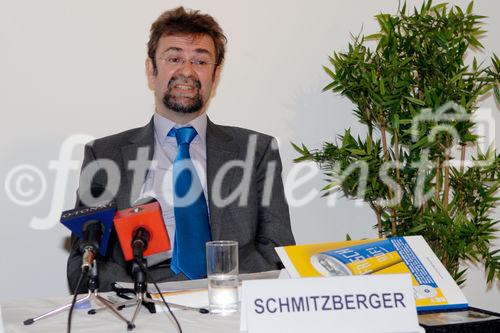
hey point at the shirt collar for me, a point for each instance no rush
(164, 125)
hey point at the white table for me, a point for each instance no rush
(14, 312)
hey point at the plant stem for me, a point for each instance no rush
(444, 260)
(438, 185)
(396, 153)
(386, 158)
(396, 157)
(369, 124)
(420, 87)
(379, 221)
(446, 166)
(384, 139)
(393, 222)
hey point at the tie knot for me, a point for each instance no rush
(184, 135)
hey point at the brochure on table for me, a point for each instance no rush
(434, 288)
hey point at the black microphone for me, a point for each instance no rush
(93, 231)
(140, 242)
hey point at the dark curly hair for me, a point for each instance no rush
(178, 21)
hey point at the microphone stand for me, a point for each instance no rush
(93, 294)
(140, 289)
(139, 273)
(143, 298)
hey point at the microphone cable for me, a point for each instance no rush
(144, 270)
(75, 294)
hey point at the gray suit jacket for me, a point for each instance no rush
(257, 227)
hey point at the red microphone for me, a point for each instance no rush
(141, 231)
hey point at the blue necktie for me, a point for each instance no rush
(192, 229)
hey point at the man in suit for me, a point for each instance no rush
(238, 171)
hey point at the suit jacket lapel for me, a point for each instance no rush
(220, 150)
(142, 139)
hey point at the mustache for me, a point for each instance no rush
(188, 80)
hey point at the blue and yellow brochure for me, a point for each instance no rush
(433, 286)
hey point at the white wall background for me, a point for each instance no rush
(76, 67)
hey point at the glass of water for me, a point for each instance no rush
(222, 273)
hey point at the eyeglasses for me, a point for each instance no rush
(176, 61)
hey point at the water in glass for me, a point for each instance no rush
(223, 293)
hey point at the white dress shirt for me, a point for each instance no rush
(159, 179)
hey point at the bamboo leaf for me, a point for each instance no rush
(330, 186)
(440, 6)
(358, 152)
(415, 100)
(330, 86)
(470, 7)
(417, 229)
(485, 89)
(301, 150)
(329, 72)
(373, 36)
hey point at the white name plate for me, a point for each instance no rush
(370, 303)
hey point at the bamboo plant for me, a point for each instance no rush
(414, 91)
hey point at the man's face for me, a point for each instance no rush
(186, 73)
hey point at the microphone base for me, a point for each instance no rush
(136, 302)
(92, 295)
(139, 275)
(29, 321)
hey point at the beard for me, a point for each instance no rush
(171, 101)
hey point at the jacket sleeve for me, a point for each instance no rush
(273, 227)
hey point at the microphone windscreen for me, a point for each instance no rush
(147, 216)
(75, 220)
